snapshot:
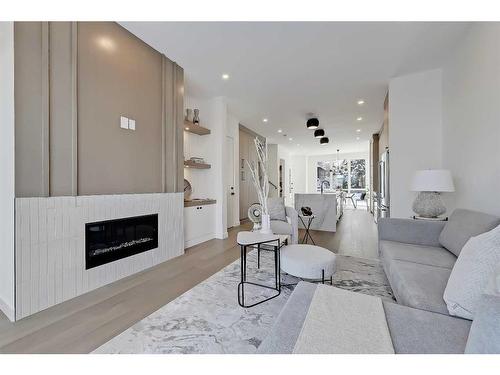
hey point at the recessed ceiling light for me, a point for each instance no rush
(360, 119)
(279, 130)
(225, 76)
(358, 130)
(357, 138)
(290, 139)
(265, 120)
(187, 128)
(298, 144)
(361, 102)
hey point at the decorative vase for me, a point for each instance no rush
(196, 119)
(189, 115)
(266, 224)
(428, 204)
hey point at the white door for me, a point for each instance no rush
(230, 190)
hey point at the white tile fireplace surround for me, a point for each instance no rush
(50, 244)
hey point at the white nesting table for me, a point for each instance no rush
(259, 241)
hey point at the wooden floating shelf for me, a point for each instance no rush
(195, 128)
(191, 164)
(201, 202)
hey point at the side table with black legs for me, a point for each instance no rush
(307, 235)
(261, 242)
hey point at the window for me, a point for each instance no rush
(358, 174)
(345, 174)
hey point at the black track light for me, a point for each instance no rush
(319, 133)
(312, 123)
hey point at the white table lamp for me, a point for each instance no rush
(430, 183)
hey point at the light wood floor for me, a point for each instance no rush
(86, 322)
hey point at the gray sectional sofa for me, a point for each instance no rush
(412, 331)
(418, 257)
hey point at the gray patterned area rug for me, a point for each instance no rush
(208, 319)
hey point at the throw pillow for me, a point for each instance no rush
(471, 273)
(464, 224)
(276, 209)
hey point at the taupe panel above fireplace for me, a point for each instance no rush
(73, 82)
(118, 75)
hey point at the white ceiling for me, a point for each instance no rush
(284, 70)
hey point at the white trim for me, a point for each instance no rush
(201, 239)
(7, 310)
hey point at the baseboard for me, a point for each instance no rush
(222, 236)
(7, 310)
(198, 240)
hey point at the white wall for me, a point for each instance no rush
(415, 133)
(471, 119)
(312, 162)
(299, 174)
(7, 281)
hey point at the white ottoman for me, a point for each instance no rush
(308, 262)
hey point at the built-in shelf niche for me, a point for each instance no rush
(199, 202)
(195, 128)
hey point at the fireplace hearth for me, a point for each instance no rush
(111, 240)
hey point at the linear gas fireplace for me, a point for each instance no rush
(107, 241)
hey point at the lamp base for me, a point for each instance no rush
(428, 204)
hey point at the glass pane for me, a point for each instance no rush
(341, 174)
(358, 174)
(323, 175)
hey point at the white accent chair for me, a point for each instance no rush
(289, 227)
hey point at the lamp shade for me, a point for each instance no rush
(432, 180)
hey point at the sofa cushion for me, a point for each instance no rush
(484, 335)
(418, 285)
(286, 330)
(473, 270)
(464, 224)
(281, 227)
(430, 255)
(416, 331)
(276, 208)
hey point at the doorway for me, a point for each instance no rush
(230, 182)
(282, 178)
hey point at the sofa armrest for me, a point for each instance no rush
(293, 218)
(418, 232)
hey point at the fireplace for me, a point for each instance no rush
(107, 241)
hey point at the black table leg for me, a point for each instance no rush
(277, 278)
(258, 256)
(309, 233)
(307, 227)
